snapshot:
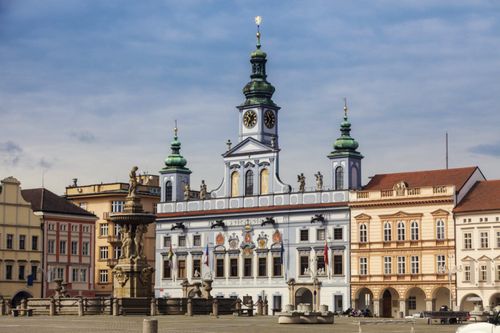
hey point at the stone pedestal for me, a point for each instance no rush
(132, 278)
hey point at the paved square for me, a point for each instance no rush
(196, 324)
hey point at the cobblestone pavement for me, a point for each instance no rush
(198, 324)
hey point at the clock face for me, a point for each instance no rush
(269, 119)
(250, 119)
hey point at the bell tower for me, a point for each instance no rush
(346, 160)
(258, 114)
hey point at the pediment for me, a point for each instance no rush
(440, 212)
(467, 258)
(401, 215)
(249, 146)
(483, 258)
(363, 217)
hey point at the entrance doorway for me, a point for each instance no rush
(304, 296)
(387, 304)
(16, 300)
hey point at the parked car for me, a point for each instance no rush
(492, 326)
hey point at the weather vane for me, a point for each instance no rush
(175, 128)
(258, 21)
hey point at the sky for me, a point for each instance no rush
(89, 89)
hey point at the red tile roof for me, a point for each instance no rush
(484, 195)
(457, 177)
(49, 202)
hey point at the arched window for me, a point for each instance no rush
(235, 184)
(363, 233)
(354, 177)
(440, 230)
(401, 231)
(339, 178)
(387, 232)
(249, 182)
(264, 181)
(168, 191)
(414, 230)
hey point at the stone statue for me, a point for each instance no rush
(203, 190)
(319, 181)
(187, 189)
(302, 182)
(139, 240)
(132, 182)
(126, 242)
(196, 273)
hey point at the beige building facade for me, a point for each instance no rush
(403, 240)
(477, 220)
(20, 245)
(103, 200)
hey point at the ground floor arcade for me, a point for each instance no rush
(470, 299)
(401, 300)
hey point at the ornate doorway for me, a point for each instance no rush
(303, 295)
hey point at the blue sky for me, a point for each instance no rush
(90, 88)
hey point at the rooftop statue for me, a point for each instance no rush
(132, 189)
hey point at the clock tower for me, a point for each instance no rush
(258, 114)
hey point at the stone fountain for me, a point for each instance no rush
(132, 274)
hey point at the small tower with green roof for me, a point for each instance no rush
(346, 160)
(175, 176)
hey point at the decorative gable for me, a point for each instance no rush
(440, 213)
(247, 147)
(362, 217)
(401, 215)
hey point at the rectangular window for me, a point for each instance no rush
(21, 272)
(34, 272)
(320, 234)
(34, 243)
(484, 240)
(62, 247)
(498, 273)
(247, 267)
(415, 264)
(219, 268)
(387, 265)
(320, 265)
(304, 235)
(197, 240)
(498, 239)
(51, 247)
(363, 266)
(441, 264)
(277, 266)
(103, 229)
(338, 234)
(117, 252)
(401, 265)
(181, 269)
(62, 227)
(74, 227)
(85, 248)
(60, 273)
(167, 270)
(74, 247)
(304, 265)
(167, 240)
(8, 272)
(467, 273)
(467, 240)
(83, 275)
(412, 303)
(117, 206)
(103, 276)
(483, 273)
(22, 242)
(277, 303)
(338, 265)
(116, 230)
(182, 241)
(262, 266)
(74, 274)
(10, 241)
(233, 267)
(103, 252)
(196, 268)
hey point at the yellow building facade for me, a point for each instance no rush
(403, 241)
(20, 245)
(103, 200)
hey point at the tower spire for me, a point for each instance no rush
(345, 144)
(175, 161)
(258, 21)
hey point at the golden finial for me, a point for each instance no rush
(175, 129)
(345, 107)
(258, 21)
